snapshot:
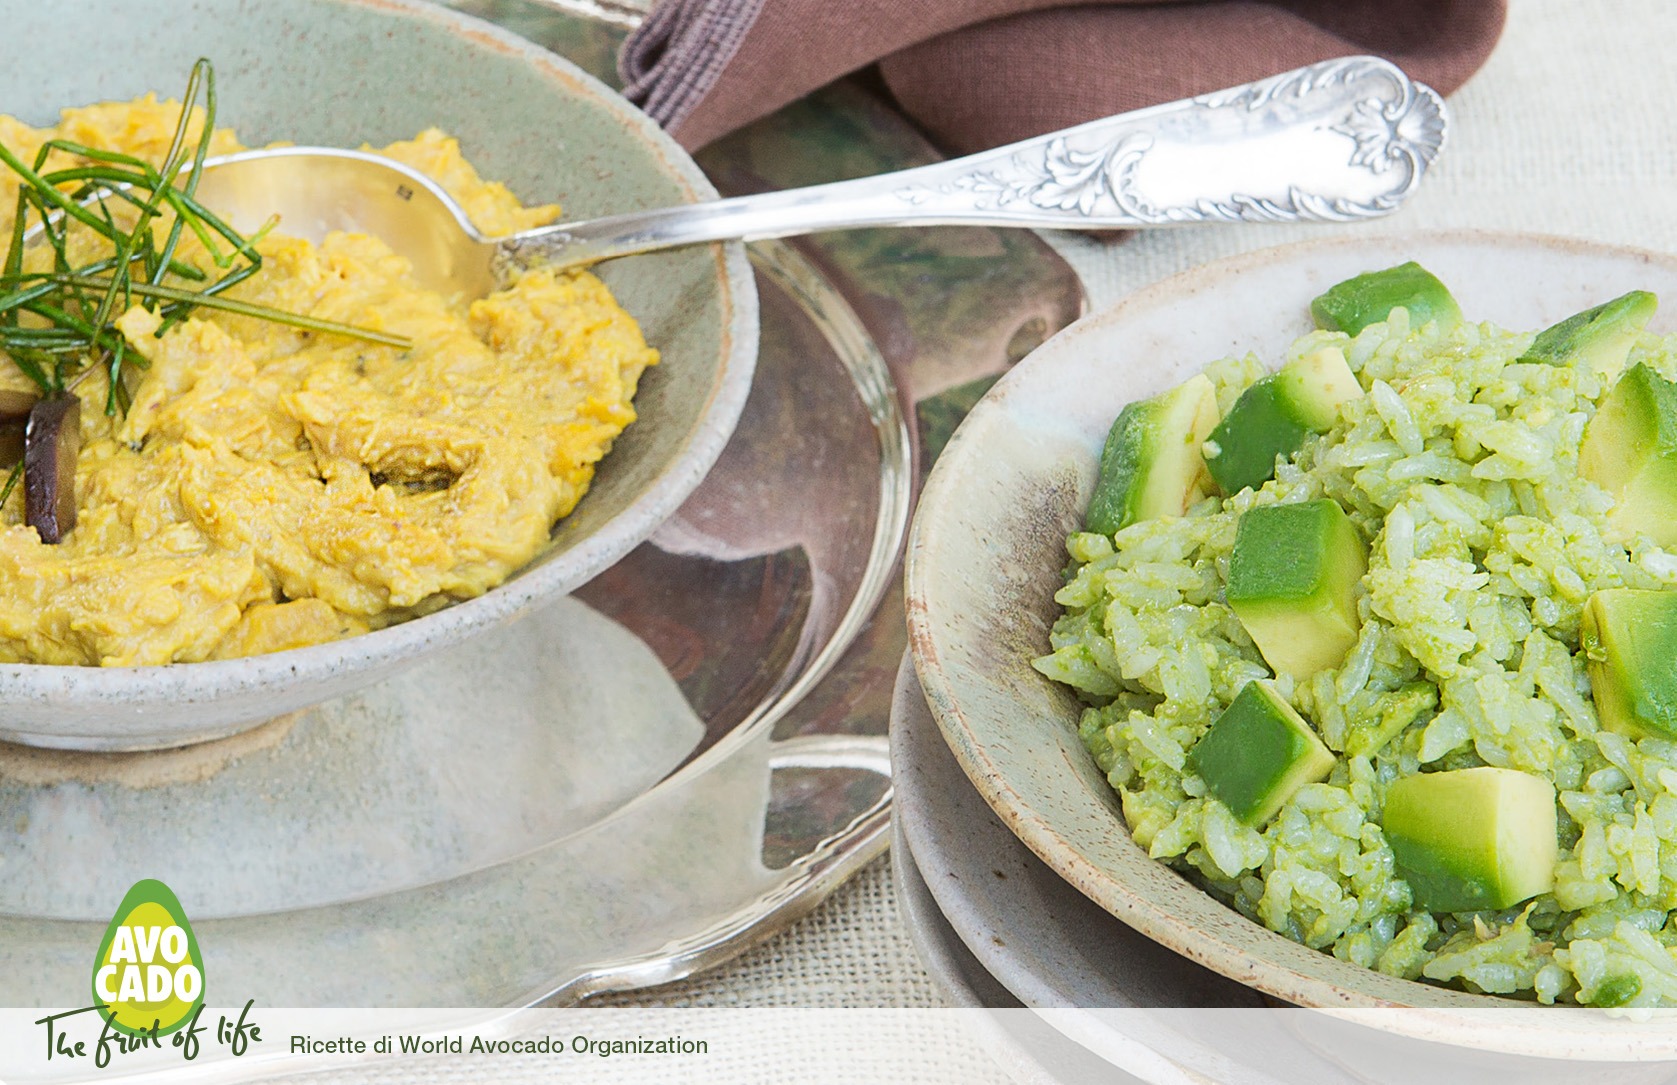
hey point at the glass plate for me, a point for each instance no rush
(634, 783)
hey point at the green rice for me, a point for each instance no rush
(1459, 466)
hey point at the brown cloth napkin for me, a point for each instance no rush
(981, 73)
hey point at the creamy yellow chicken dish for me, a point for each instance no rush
(268, 487)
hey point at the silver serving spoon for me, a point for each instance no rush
(1337, 141)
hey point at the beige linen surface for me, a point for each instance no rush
(1567, 130)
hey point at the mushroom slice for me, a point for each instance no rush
(51, 441)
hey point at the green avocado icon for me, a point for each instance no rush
(148, 976)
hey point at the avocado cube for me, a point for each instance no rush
(1354, 304)
(1630, 450)
(1292, 583)
(1472, 839)
(1312, 388)
(1258, 753)
(1245, 444)
(1599, 338)
(1629, 637)
(1152, 466)
(1274, 417)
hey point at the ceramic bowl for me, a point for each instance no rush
(344, 72)
(987, 550)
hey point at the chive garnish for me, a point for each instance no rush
(73, 307)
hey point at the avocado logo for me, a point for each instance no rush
(148, 977)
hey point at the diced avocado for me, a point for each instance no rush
(1152, 465)
(1257, 429)
(1274, 416)
(1629, 637)
(1292, 583)
(1630, 450)
(1472, 839)
(1312, 388)
(1258, 753)
(1354, 304)
(1599, 338)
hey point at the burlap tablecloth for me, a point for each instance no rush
(1567, 130)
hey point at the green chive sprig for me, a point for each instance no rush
(77, 304)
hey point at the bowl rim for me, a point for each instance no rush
(1335, 985)
(153, 686)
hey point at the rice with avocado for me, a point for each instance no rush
(1382, 648)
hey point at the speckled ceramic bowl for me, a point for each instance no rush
(987, 550)
(341, 72)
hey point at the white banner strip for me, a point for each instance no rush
(966, 1047)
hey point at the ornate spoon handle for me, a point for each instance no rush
(1337, 141)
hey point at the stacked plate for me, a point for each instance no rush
(637, 782)
(1020, 883)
